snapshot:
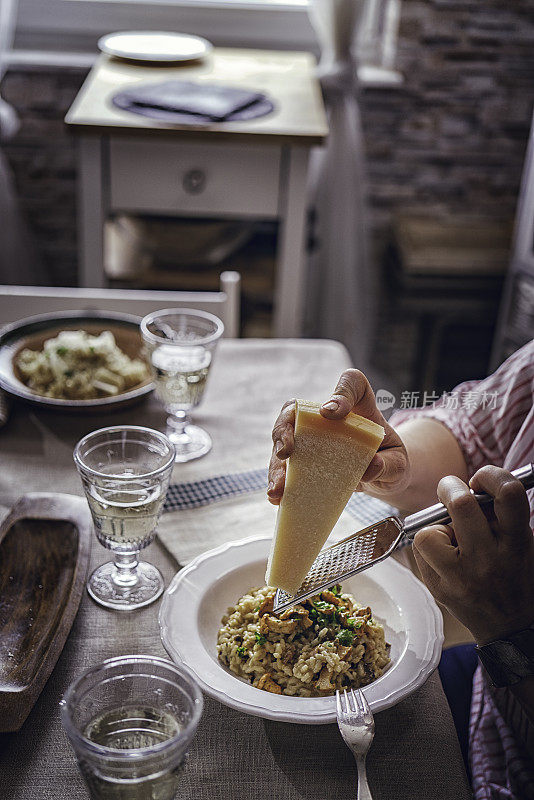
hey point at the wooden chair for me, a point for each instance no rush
(17, 302)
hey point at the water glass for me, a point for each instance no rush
(181, 343)
(125, 472)
(130, 721)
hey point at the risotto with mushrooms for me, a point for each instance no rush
(327, 643)
(76, 365)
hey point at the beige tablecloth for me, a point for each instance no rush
(415, 753)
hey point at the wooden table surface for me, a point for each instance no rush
(286, 77)
(415, 753)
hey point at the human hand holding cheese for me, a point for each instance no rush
(328, 459)
(387, 472)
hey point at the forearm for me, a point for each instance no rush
(433, 453)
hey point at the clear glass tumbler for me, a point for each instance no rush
(130, 721)
(125, 472)
(181, 343)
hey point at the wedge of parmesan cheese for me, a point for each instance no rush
(328, 461)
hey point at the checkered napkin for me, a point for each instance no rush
(201, 515)
(201, 493)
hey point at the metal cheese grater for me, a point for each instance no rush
(367, 547)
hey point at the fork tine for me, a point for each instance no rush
(352, 704)
(357, 730)
(364, 709)
(339, 709)
(357, 696)
(363, 701)
(352, 701)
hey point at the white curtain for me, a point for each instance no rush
(341, 301)
(19, 263)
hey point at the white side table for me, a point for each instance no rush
(253, 169)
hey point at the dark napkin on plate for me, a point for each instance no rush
(205, 100)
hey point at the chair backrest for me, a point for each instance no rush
(17, 302)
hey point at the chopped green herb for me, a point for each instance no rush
(257, 608)
(345, 638)
(260, 638)
(91, 349)
(322, 605)
(241, 652)
(62, 351)
(313, 614)
(336, 589)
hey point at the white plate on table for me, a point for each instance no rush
(162, 46)
(200, 594)
(32, 332)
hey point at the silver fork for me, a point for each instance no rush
(357, 727)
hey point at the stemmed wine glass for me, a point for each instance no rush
(125, 472)
(181, 343)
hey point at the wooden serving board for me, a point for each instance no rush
(44, 555)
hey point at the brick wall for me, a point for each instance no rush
(450, 141)
(43, 158)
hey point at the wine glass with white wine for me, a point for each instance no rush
(125, 472)
(180, 344)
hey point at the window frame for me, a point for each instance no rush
(67, 34)
(77, 24)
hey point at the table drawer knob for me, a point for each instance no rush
(194, 181)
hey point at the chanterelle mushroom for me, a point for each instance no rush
(266, 682)
(267, 606)
(344, 652)
(323, 684)
(300, 613)
(331, 598)
(268, 623)
(294, 611)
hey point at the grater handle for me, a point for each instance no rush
(439, 513)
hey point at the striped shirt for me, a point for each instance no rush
(493, 422)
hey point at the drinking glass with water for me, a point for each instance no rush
(181, 343)
(125, 472)
(130, 721)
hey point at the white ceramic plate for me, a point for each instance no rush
(199, 595)
(154, 46)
